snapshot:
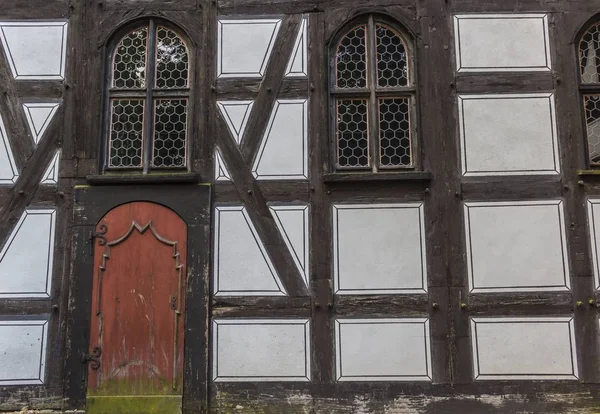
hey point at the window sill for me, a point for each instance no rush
(588, 173)
(157, 178)
(376, 177)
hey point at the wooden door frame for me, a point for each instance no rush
(192, 204)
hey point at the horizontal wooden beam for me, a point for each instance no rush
(260, 306)
(493, 82)
(288, 191)
(298, 6)
(416, 304)
(248, 88)
(529, 187)
(521, 304)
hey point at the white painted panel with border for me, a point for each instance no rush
(27, 258)
(242, 266)
(23, 345)
(35, 50)
(516, 246)
(244, 46)
(527, 348)
(379, 249)
(594, 231)
(261, 350)
(283, 152)
(390, 349)
(508, 134)
(502, 42)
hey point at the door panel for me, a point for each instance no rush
(138, 302)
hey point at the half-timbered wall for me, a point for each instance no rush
(467, 282)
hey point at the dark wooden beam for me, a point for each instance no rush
(249, 88)
(260, 306)
(494, 82)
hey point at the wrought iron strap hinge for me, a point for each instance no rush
(97, 235)
(94, 358)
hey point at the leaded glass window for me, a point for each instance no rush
(589, 66)
(148, 100)
(373, 98)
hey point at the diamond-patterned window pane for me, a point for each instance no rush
(392, 68)
(351, 59)
(589, 55)
(126, 131)
(172, 65)
(129, 65)
(352, 133)
(170, 128)
(592, 118)
(394, 132)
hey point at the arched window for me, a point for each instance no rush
(148, 100)
(589, 65)
(373, 97)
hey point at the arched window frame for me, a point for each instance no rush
(373, 94)
(589, 87)
(149, 94)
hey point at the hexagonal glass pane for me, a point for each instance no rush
(592, 118)
(170, 129)
(172, 64)
(589, 55)
(352, 133)
(129, 62)
(394, 132)
(351, 59)
(392, 68)
(127, 126)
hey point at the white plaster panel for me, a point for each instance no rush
(594, 231)
(382, 349)
(51, 173)
(379, 248)
(242, 266)
(508, 134)
(298, 64)
(244, 46)
(221, 172)
(38, 117)
(516, 246)
(524, 348)
(502, 42)
(27, 257)
(8, 168)
(261, 350)
(283, 152)
(35, 50)
(292, 222)
(23, 351)
(236, 114)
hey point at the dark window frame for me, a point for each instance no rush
(372, 93)
(149, 94)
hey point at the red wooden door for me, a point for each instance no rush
(138, 302)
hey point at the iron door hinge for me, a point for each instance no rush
(94, 358)
(98, 235)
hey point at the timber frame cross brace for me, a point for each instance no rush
(238, 160)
